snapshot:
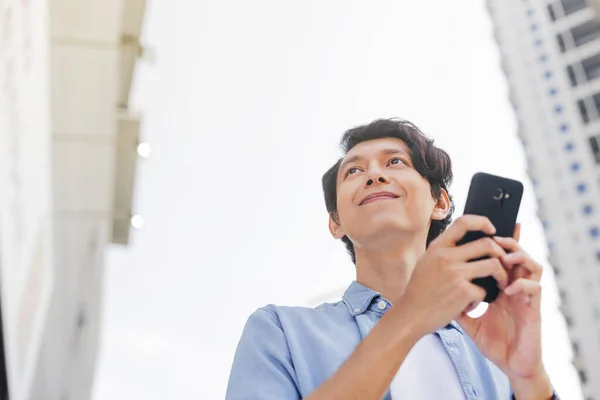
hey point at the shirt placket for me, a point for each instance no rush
(457, 350)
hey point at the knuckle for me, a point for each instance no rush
(489, 243)
(462, 222)
(466, 289)
(476, 292)
(442, 257)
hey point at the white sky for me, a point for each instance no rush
(244, 107)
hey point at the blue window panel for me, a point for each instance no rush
(575, 167)
(538, 43)
(581, 188)
(548, 74)
(543, 58)
(569, 146)
(534, 27)
(558, 109)
(553, 92)
(529, 12)
(564, 128)
(594, 232)
(588, 209)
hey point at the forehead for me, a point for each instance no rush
(372, 148)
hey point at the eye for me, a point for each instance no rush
(396, 160)
(352, 170)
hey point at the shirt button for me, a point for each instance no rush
(357, 309)
(381, 305)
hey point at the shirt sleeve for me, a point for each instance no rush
(262, 367)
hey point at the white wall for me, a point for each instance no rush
(25, 201)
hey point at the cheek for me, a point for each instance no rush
(421, 203)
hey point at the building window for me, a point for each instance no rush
(561, 43)
(595, 99)
(582, 376)
(571, 6)
(585, 33)
(556, 270)
(564, 128)
(558, 109)
(543, 58)
(534, 27)
(585, 117)
(529, 12)
(595, 146)
(591, 67)
(588, 209)
(572, 77)
(551, 13)
(538, 43)
(548, 74)
(575, 348)
(568, 321)
(581, 188)
(594, 232)
(575, 167)
(598, 256)
(553, 92)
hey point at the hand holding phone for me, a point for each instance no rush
(498, 199)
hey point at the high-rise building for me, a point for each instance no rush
(550, 52)
(68, 150)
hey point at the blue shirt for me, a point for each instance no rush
(285, 353)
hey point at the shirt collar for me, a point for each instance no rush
(358, 297)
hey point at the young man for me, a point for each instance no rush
(403, 322)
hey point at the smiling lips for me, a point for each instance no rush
(378, 196)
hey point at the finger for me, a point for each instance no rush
(490, 267)
(479, 248)
(517, 273)
(509, 244)
(523, 265)
(517, 234)
(473, 305)
(461, 226)
(524, 286)
(511, 260)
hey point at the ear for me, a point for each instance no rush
(335, 228)
(442, 206)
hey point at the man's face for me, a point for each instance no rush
(380, 194)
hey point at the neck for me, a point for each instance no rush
(388, 270)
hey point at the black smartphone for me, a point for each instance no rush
(498, 199)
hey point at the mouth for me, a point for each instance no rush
(378, 196)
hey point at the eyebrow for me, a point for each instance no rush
(387, 152)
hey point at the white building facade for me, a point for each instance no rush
(550, 53)
(68, 151)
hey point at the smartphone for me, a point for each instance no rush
(498, 199)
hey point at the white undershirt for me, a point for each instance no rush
(427, 373)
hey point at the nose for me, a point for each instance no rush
(380, 178)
